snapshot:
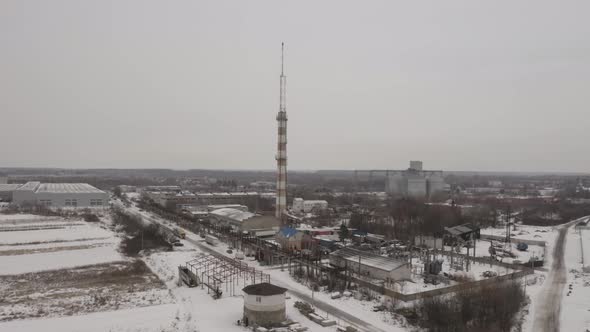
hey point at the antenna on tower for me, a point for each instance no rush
(282, 58)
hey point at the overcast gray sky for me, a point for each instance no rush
(461, 85)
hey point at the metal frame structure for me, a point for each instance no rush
(220, 273)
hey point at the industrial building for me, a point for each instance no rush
(371, 265)
(60, 195)
(414, 182)
(264, 305)
(305, 206)
(6, 191)
(183, 199)
(3, 178)
(291, 239)
(245, 221)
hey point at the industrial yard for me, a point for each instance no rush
(425, 169)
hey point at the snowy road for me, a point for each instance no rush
(549, 300)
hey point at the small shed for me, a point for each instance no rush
(464, 232)
(264, 304)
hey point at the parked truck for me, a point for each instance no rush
(212, 240)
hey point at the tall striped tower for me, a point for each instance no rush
(281, 157)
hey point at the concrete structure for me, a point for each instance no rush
(416, 165)
(305, 206)
(281, 157)
(3, 178)
(244, 220)
(264, 304)
(6, 191)
(414, 182)
(371, 265)
(428, 241)
(60, 195)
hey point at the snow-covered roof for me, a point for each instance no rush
(67, 188)
(461, 229)
(9, 187)
(288, 232)
(234, 214)
(39, 187)
(29, 186)
(369, 259)
(264, 289)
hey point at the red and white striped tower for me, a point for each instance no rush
(281, 157)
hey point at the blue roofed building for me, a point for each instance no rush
(291, 239)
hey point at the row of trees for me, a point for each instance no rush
(404, 218)
(492, 308)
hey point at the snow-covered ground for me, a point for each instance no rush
(524, 232)
(77, 243)
(482, 248)
(197, 309)
(7, 218)
(143, 319)
(171, 309)
(69, 270)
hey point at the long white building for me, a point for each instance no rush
(60, 195)
(304, 206)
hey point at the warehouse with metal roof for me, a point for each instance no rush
(60, 195)
(243, 220)
(371, 265)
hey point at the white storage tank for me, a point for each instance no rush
(264, 304)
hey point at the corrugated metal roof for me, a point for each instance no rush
(67, 188)
(9, 187)
(369, 259)
(233, 214)
(29, 186)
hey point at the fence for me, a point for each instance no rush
(458, 287)
(512, 240)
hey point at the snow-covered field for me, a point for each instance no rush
(73, 269)
(130, 296)
(77, 243)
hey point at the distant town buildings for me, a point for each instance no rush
(415, 182)
(305, 206)
(184, 199)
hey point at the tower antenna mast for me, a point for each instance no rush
(281, 157)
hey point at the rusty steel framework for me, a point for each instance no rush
(220, 273)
